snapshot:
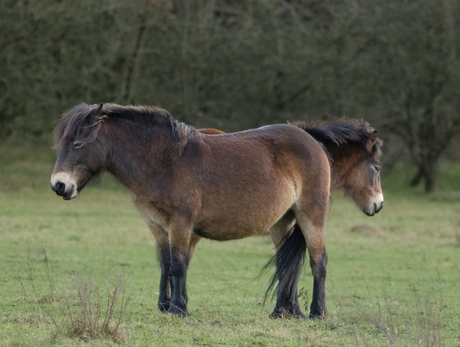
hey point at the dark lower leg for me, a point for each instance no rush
(287, 305)
(179, 298)
(287, 301)
(165, 264)
(318, 304)
(289, 261)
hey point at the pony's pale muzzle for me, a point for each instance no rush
(375, 205)
(63, 185)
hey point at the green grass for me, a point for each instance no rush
(393, 279)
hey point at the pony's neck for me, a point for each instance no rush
(137, 154)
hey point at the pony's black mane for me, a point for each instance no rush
(90, 117)
(343, 132)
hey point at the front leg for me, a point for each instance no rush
(180, 233)
(179, 299)
(164, 258)
(165, 266)
(166, 280)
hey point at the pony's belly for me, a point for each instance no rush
(222, 233)
(230, 219)
(238, 226)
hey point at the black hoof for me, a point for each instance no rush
(163, 307)
(178, 312)
(299, 315)
(318, 315)
(283, 313)
(275, 315)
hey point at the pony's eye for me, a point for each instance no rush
(77, 144)
(377, 168)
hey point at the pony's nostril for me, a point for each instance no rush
(59, 188)
(377, 209)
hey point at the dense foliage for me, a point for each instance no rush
(237, 64)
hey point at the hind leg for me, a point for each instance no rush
(318, 304)
(313, 230)
(287, 301)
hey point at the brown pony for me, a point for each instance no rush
(346, 141)
(354, 153)
(189, 185)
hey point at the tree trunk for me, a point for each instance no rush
(427, 172)
(430, 175)
(417, 178)
(127, 95)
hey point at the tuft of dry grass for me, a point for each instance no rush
(93, 308)
(92, 315)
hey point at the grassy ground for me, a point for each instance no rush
(393, 279)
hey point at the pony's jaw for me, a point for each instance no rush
(375, 205)
(64, 184)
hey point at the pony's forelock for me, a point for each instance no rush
(70, 126)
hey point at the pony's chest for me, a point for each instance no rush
(153, 214)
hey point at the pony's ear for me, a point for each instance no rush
(95, 116)
(373, 136)
(372, 139)
(99, 110)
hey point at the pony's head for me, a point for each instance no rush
(81, 155)
(362, 181)
(354, 150)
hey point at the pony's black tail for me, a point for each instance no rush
(289, 261)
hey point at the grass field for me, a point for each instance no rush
(393, 279)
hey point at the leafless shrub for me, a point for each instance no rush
(20, 280)
(26, 278)
(92, 315)
(92, 308)
(49, 274)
